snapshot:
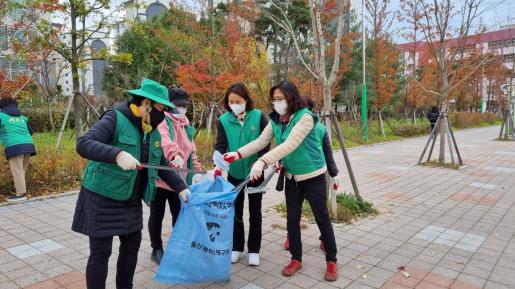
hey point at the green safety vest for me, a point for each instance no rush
(13, 130)
(308, 156)
(111, 181)
(239, 135)
(320, 131)
(190, 132)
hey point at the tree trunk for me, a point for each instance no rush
(77, 107)
(381, 125)
(327, 109)
(441, 157)
(51, 117)
(414, 115)
(209, 119)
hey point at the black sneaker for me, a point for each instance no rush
(157, 255)
(16, 198)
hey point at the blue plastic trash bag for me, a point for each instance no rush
(199, 249)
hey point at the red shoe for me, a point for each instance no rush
(286, 244)
(292, 268)
(322, 246)
(331, 273)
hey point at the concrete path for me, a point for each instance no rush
(447, 228)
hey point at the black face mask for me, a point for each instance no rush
(156, 117)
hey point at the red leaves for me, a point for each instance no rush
(12, 86)
(197, 79)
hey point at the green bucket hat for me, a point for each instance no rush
(153, 91)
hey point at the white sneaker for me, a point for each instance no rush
(235, 255)
(253, 259)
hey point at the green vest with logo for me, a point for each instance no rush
(13, 130)
(109, 179)
(190, 132)
(239, 135)
(309, 155)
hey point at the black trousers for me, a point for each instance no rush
(100, 251)
(313, 190)
(255, 219)
(157, 213)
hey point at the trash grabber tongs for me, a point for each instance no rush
(262, 187)
(149, 166)
(254, 190)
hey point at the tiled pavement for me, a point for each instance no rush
(447, 228)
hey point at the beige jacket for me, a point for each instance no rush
(295, 138)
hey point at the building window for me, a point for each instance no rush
(155, 10)
(501, 43)
(508, 57)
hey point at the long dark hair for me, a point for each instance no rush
(291, 92)
(241, 90)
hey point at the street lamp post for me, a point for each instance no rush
(364, 128)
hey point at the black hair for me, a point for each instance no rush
(138, 100)
(291, 92)
(7, 101)
(241, 90)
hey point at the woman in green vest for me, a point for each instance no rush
(16, 138)
(299, 147)
(109, 202)
(240, 125)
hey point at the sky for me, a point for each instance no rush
(497, 13)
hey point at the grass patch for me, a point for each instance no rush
(348, 209)
(436, 164)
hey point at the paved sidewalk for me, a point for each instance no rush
(448, 228)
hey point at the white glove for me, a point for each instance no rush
(184, 195)
(335, 183)
(177, 162)
(126, 161)
(257, 170)
(197, 178)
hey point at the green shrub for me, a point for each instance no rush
(40, 120)
(358, 208)
(472, 119)
(348, 209)
(408, 130)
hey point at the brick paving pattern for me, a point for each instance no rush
(445, 229)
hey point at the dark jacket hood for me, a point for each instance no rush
(11, 110)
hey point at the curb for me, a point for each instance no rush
(41, 198)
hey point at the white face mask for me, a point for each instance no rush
(182, 112)
(238, 108)
(280, 106)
